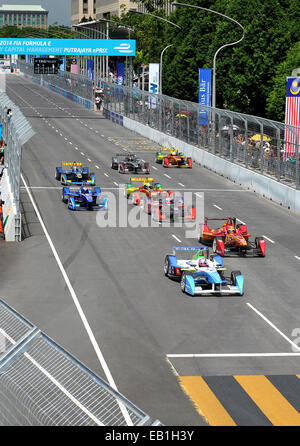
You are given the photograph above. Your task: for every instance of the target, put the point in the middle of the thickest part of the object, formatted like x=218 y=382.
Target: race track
x=153 y=337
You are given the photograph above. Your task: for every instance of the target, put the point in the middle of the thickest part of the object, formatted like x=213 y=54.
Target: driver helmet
x=147 y=186
x=230 y=229
x=202 y=262
x=84 y=188
x=157 y=186
x=74 y=167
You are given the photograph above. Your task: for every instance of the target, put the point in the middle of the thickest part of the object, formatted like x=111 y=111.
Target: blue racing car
x=74 y=174
x=201 y=273
x=84 y=198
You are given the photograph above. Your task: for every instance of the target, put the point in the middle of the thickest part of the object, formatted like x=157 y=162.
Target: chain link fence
x=72 y=83
x=41 y=384
x=253 y=142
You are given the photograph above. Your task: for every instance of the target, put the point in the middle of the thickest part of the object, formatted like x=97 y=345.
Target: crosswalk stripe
x=270 y=401
x=207 y=404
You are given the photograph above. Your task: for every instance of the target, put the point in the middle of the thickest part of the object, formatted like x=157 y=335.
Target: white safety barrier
x=9 y=210
x=264 y=186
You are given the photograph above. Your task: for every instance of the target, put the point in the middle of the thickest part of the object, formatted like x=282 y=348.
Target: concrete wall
x=264 y=186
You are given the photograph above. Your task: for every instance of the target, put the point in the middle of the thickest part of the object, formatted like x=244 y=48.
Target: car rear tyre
x=182 y=282
x=166 y=266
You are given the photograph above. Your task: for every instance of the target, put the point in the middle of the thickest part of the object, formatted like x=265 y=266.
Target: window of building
x=38 y=19
x=24 y=19
x=20 y=19
x=10 y=19
x=6 y=19
x=15 y=19
x=33 y=20
x=1 y=19
x=43 y=20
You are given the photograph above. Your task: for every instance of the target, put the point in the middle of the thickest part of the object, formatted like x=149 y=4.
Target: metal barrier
x=16 y=131
x=42 y=384
x=253 y=142
x=73 y=83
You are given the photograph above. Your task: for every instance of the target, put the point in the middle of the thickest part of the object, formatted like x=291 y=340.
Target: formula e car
x=142 y=186
x=231 y=238
x=200 y=273
x=168 y=206
x=129 y=162
x=74 y=174
x=84 y=198
x=173 y=158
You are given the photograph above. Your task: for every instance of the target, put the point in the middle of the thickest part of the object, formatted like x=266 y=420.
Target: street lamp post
x=133 y=11
x=223 y=46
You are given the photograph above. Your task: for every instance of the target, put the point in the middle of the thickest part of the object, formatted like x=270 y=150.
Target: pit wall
x=248 y=179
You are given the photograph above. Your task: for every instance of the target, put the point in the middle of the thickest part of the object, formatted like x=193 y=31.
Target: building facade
x=82 y=8
x=24 y=15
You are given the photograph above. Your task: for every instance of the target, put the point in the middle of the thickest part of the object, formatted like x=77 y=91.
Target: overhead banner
x=204 y=94
x=292 y=116
x=65 y=47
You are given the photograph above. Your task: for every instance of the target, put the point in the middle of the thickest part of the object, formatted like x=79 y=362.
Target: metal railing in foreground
x=42 y=384
x=16 y=131
x=250 y=141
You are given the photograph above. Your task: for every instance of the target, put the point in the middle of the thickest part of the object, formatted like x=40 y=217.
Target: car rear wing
x=167 y=149
x=71 y=164
x=188 y=248
x=206 y=219
x=141 y=179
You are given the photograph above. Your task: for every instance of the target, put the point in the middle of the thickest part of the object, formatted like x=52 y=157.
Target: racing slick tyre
x=214 y=244
x=234 y=275
x=166 y=266
x=257 y=240
x=63 y=198
x=182 y=282
x=166 y=162
x=58 y=175
x=121 y=168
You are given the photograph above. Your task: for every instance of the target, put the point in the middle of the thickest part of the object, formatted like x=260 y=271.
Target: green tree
x=276 y=99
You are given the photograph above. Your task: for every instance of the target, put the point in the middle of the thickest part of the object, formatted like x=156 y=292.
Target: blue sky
x=59 y=10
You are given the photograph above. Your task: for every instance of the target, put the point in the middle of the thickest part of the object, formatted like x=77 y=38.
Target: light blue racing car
x=201 y=273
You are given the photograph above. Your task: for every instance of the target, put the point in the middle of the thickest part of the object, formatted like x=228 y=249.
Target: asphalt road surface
x=184 y=360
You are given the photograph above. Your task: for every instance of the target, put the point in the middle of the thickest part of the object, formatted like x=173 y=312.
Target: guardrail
x=75 y=87
x=252 y=142
x=43 y=384
x=16 y=131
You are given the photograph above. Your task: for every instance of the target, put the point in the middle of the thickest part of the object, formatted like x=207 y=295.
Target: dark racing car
x=129 y=162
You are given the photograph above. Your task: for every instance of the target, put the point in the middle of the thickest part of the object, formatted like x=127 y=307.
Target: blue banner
x=65 y=47
x=0 y=131
x=90 y=69
x=204 y=95
x=120 y=73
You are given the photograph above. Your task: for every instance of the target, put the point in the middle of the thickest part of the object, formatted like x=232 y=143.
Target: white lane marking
x=102 y=136
x=91 y=128
x=96 y=131
x=229 y=355
x=218 y=207
x=105 y=174
x=176 y=238
x=153 y=167
x=78 y=306
x=89 y=160
x=180 y=184
x=82 y=153
x=61 y=134
x=97 y=167
x=116 y=183
x=267 y=238
x=76 y=148
x=296 y=257
x=55 y=382
x=198 y=195
x=273 y=326
x=166 y=175
x=71 y=143
x=241 y=221
x=56 y=131
x=66 y=139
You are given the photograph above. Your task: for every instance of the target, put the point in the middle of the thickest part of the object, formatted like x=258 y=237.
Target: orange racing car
x=231 y=238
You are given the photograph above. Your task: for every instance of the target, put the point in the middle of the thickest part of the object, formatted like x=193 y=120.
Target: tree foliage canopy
x=250 y=76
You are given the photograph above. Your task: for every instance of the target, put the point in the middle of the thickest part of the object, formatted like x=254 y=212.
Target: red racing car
x=231 y=238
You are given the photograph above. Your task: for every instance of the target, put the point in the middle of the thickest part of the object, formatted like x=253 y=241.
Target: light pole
x=133 y=11
x=223 y=46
